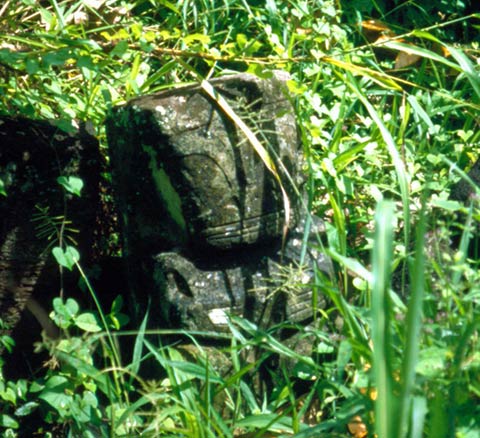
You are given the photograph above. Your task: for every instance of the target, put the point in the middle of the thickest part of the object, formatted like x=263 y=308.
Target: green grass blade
x=249 y=397
x=419 y=411
x=467 y=67
x=267 y=422
x=59 y=14
x=463 y=62
x=138 y=347
x=185 y=370
x=359 y=270
x=464 y=176
x=381 y=318
x=420 y=112
x=380 y=78
x=463 y=249
x=402 y=176
x=269 y=343
x=256 y=144
x=414 y=316
x=135 y=406
x=470 y=333
x=419 y=51
x=105 y=384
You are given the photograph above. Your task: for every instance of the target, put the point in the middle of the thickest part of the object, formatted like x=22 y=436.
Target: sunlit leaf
x=66 y=258
x=2 y=188
x=8 y=422
x=26 y=409
x=72 y=184
x=197 y=37
x=89 y=322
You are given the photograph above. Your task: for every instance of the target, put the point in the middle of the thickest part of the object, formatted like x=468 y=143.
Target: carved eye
x=178 y=283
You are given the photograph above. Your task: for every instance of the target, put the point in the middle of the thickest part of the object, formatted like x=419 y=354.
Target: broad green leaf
x=432 y=362
x=88 y=322
x=90 y=399
x=447 y=204
x=305 y=372
x=117 y=304
x=66 y=258
x=26 y=409
x=260 y=71
x=2 y=188
x=66 y=125
x=122 y=34
x=8 y=421
x=36 y=387
x=71 y=306
x=101 y=379
x=57 y=399
x=56 y=383
x=196 y=37
x=57 y=58
x=8 y=395
x=32 y=66
x=64 y=313
x=116 y=318
x=169 y=5
x=119 y=50
x=84 y=410
x=72 y=184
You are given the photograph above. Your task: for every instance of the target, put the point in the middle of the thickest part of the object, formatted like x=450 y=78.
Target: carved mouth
x=251 y=230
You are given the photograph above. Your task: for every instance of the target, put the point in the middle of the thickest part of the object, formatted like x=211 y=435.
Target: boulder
x=32 y=155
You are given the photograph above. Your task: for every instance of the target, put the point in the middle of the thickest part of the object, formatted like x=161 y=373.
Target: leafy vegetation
x=387 y=97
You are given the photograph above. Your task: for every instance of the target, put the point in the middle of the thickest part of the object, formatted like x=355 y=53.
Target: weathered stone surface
x=261 y=285
x=463 y=190
x=202 y=216
x=187 y=176
x=32 y=155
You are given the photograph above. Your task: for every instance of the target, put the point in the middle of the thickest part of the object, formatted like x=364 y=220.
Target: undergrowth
x=388 y=115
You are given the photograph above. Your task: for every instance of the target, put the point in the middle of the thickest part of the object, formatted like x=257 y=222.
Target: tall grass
x=381 y=316
x=395 y=350
x=394 y=367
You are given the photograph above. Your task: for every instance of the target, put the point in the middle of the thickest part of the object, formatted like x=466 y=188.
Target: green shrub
x=396 y=350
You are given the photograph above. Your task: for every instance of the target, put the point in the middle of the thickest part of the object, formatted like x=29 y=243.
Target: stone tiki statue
x=202 y=216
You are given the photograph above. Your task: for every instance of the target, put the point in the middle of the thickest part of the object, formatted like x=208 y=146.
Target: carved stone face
x=215 y=190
